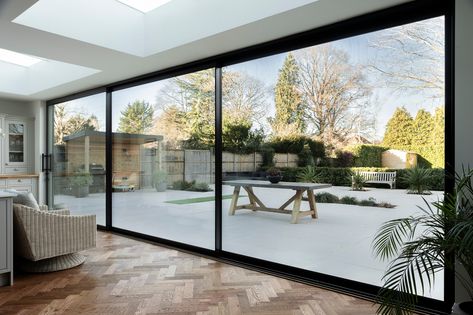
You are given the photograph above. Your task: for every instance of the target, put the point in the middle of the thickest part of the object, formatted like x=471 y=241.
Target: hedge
x=341 y=176
x=368 y=155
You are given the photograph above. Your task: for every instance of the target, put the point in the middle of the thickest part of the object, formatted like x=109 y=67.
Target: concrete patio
x=338 y=243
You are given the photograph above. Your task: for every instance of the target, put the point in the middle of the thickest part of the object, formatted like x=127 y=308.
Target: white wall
x=463 y=92
x=36 y=111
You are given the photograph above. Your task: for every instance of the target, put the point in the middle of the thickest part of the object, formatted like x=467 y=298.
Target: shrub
x=317 y=148
x=190 y=186
x=267 y=153
x=81 y=179
x=305 y=158
x=368 y=155
x=418 y=180
x=368 y=203
x=344 y=159
x=326 y=197
x=357 y=182
x=336 y=176
x=308 y=175
x=200 y=187
x=182 y=185
x=341 y=176
x=347 y=200
x=294 y=144
x=289 y=174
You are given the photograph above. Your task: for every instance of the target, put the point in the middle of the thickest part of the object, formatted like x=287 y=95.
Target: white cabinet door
x=15 y=143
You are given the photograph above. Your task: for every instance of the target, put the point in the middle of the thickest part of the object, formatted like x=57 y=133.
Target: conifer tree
x=399 y=129
x=137 y=118
x=438 y=132
x=422 y=128
x=288 y=100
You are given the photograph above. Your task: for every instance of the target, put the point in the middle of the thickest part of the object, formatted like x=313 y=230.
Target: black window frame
x=391 y=17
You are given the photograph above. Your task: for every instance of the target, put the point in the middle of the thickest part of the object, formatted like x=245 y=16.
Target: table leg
x=312 y=204
x=297 y=206
x=233 y=204
x=251 y=195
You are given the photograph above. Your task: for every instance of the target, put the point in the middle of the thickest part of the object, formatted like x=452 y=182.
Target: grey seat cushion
x=24 y=198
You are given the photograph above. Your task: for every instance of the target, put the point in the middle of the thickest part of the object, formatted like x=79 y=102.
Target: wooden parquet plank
x=125 y=276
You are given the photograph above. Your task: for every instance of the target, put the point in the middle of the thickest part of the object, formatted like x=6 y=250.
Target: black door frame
x=391 y=17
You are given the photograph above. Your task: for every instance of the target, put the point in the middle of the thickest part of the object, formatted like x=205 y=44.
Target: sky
x=384 y=101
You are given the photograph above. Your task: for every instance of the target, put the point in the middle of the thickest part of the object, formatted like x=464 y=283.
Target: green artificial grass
x=197 y=200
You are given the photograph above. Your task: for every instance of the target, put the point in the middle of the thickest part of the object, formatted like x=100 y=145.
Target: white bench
x=378 y=178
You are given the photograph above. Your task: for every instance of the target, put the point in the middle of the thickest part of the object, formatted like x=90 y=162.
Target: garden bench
x=378 y=178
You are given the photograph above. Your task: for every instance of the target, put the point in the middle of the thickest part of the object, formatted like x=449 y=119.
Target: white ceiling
x=121 y=43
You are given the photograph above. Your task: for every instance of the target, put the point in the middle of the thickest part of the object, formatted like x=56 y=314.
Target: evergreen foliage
x=422 y=128
x=288 y=99
x=136 y=118
x=368 y=155
x=399 y=129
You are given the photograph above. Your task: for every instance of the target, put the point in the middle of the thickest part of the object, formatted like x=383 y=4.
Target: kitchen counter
x=6 y=176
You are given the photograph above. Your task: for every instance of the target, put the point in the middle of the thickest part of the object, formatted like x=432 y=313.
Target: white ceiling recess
x=116 y=42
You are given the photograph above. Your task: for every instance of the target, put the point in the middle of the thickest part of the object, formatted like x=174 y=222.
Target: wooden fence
x=199 y=165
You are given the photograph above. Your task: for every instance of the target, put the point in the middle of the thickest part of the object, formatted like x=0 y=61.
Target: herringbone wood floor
x=125 y=276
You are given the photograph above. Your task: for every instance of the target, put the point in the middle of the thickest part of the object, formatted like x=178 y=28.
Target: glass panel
x=78 y=148
x=16 y=128
x=371 y=105
x=16 y=143
x=163 y=159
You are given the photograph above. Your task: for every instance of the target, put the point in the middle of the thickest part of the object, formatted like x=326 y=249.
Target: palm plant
x=308 y=175
x=425 y=244
x=357 y=181
x=418 y=180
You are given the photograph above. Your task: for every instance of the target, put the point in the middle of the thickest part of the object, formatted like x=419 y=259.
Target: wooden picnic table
x=257 y=205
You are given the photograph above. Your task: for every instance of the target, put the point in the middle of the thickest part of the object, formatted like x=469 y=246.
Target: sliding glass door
x=354 y=130
x=360 y=119
x=163 y=159
x=77 y=147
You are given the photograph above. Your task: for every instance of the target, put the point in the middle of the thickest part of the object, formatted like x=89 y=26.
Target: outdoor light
x=17 y=58
x=144 y=6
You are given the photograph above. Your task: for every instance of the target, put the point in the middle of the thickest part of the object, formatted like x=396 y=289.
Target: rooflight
x=144 y=6
x=17 y=58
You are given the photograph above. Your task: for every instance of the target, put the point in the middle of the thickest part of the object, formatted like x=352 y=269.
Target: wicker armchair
x=48 y=240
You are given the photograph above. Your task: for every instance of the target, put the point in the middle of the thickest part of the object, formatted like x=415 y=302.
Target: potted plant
x=273 y=174
x=80 y=183
x=424 y=244
x=160 y=180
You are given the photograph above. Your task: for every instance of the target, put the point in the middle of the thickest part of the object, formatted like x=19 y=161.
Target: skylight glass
x=144 y=6
x=17 y=58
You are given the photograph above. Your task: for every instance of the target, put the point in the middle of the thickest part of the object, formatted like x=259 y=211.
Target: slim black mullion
x=449 y=276
x=108 y=160
x=218 y=159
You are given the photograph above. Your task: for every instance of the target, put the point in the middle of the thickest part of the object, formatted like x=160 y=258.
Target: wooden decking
x=125 y=276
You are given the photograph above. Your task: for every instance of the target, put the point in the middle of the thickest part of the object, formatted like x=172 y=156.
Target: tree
x=288 y=99
x=66 y=124
x=335 y=93
x=170 y=124
x=438 y=132
x=244 y=98
x=187 y=106
x=411 y=57
x=399 y=129
x=237 y=137
x=136 y=118
x=422 y=128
